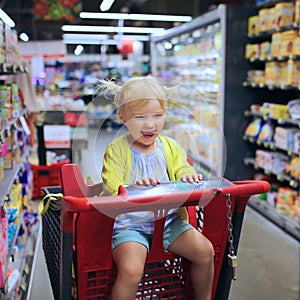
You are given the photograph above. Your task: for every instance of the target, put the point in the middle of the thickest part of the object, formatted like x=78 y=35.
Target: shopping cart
x=86 y=232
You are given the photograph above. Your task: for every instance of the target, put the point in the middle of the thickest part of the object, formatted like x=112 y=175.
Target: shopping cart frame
x=81 y=201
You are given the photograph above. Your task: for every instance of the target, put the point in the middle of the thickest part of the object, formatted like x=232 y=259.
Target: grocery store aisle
x=268 y=258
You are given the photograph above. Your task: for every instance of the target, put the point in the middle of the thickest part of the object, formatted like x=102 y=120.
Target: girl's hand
x=148 y=181
x=191 y=178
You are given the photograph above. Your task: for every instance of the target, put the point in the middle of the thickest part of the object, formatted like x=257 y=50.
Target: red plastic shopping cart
x=87 y=222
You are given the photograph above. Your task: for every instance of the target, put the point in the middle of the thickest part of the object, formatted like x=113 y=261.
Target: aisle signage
x=57 y=136
x=45 y=49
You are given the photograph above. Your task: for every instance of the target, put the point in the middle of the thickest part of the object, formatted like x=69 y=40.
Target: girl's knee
x=210 y=251
x=206 y=253
x=131 y=272
x=210 y=247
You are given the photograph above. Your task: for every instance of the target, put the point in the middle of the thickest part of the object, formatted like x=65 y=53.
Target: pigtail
x=108 y=88
x=172 y=94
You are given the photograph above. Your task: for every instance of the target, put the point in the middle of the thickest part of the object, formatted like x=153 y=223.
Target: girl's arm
x=113 y=172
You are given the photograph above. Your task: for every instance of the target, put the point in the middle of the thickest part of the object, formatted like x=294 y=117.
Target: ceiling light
x=91 y=42
x=100 y=39
x=168 y=45
x=84 y=42
x=6 y=19
x=141 y=38
x=83 y=38
x=24 y=37
x=140 y=17
x=106 y=5
x=87 y=28
x=78 y=50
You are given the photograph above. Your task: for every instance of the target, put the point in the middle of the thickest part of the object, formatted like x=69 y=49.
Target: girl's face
x=144 y=123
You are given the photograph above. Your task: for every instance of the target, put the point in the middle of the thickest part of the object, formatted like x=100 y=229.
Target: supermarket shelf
x=289 y=121
x=293 y=182
x=34 y=262
x=284 y=222
x=271 y=87
x=6 y=69
x=269 y=145
x=9 y=178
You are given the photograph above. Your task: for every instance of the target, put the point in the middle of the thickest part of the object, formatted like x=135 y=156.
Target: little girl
x=143 y=156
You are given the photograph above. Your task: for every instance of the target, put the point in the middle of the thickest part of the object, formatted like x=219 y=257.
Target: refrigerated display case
x=206 y=59
x=273 y=83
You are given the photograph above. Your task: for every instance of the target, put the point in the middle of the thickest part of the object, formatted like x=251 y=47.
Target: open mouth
x=148 y=135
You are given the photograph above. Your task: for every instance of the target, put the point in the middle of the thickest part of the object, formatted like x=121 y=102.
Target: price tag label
x=293 y=183
x=25 y=125
x=23 y=287
x=26 y=269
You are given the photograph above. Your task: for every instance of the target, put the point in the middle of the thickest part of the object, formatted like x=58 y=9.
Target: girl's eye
x=139 y=117
x=158 y=115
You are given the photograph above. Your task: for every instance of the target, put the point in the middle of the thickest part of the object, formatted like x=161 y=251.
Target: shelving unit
x=206 y=59
x=18 y=220
x=208 y=56
x=17 y=239
x=277 y=87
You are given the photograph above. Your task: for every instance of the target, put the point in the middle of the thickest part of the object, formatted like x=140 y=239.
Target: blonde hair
x=135 y=89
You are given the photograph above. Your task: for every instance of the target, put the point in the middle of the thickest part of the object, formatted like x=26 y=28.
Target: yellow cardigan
x=117 y=163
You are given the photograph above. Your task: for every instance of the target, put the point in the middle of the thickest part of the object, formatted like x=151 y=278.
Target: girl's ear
x=121 y=117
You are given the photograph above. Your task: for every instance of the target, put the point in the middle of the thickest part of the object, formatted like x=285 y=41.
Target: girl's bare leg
x=199 y=251
x=130 y=259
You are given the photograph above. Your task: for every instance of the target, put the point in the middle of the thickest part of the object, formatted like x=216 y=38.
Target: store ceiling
x=21 y=11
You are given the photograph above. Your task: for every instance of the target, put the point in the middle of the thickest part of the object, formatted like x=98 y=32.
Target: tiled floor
x=268 y=258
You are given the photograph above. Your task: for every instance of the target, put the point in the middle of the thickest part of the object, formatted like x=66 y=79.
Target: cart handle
x=115 y=205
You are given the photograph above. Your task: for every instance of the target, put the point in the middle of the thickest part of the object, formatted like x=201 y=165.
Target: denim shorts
x=171 y=233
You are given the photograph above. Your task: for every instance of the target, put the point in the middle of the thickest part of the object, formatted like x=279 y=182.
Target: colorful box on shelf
x=273 y=72
x=297 y=11
x=253 y=25
x=11 y=159
x=284 y=14
x=252 y=51
x=266 y=19
x=276 y=44
x=293 y=72
x=288 y=203
x=287 y=42
x=271 y=161
x=265 y=50
x=284 y=137
x=3 y=149
x=1 y=168
x=294 y=108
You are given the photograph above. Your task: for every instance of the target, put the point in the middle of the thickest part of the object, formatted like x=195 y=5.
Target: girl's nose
x=149 y=122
